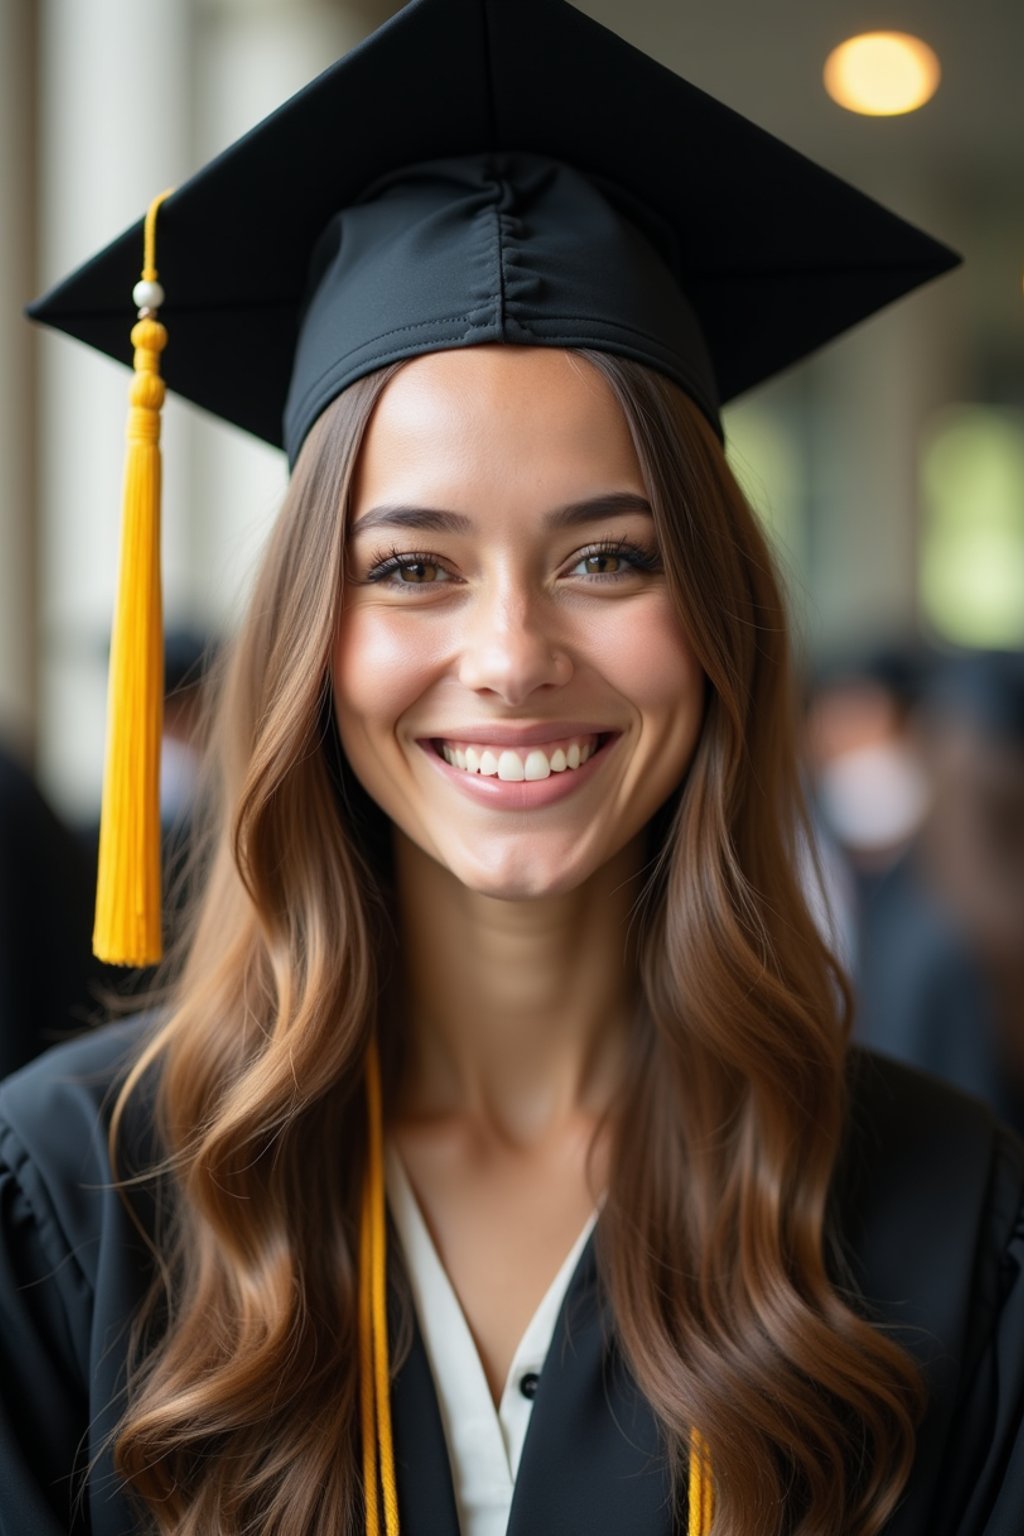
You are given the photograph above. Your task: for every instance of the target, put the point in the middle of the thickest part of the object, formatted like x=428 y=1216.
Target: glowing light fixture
x=882 y=73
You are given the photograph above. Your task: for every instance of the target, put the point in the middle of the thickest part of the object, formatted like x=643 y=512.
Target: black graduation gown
x=929 y=1203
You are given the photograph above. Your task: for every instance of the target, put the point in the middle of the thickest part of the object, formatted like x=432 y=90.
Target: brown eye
x=418 y=572
x=406 y=568
x=615 y=561
x=602 y=564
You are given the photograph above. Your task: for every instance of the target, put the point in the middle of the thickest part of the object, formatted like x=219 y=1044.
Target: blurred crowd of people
x=51 y=985
x=915 y=766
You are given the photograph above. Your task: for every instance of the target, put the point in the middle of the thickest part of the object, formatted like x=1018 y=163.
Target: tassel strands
x=127 y=928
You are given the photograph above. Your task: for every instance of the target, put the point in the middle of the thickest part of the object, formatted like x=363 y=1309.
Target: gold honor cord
x=379 y=1488
x=374 y=1387
x=700 y=1504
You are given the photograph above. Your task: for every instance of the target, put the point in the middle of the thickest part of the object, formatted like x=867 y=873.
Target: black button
x=528 y=1384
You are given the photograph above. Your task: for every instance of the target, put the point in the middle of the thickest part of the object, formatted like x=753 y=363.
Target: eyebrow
x=436 y=520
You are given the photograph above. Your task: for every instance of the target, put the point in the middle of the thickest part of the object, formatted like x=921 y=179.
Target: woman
x=500 y=909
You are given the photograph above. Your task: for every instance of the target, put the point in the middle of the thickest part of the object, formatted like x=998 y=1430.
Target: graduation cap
x=475 y=171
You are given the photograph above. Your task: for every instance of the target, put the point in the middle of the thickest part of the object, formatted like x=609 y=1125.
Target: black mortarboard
x=583 y=195
x=475 y=171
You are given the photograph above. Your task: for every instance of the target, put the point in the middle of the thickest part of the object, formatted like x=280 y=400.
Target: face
x=511 y=683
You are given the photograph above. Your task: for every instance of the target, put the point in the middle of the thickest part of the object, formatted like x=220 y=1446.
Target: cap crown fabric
x=486 y=248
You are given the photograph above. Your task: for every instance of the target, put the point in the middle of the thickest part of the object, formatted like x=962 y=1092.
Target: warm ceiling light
x=882 y=73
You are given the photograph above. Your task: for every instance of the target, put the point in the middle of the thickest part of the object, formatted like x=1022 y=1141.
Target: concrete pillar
x=250 y=57
x=874 y=391
x=134 y=99
x=115 y=103
x=18 y=509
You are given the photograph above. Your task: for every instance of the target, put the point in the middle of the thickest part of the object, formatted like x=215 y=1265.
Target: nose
x=511 y=647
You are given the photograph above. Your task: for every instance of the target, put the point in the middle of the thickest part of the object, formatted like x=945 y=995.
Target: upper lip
x=510 y=735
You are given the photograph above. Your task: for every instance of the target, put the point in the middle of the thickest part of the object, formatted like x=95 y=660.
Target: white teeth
x=537 y=766
x=510 y=767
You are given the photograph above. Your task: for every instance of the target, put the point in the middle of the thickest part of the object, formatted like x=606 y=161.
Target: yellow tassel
x=127 y=929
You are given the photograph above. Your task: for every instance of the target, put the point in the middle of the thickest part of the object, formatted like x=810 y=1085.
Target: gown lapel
x=592 y=1463
x=426 y=1497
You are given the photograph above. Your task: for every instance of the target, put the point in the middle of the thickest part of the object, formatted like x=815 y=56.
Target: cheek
x=379 y=668
x=648 y=658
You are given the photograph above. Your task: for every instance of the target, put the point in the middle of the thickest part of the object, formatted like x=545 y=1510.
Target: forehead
x=471 y=423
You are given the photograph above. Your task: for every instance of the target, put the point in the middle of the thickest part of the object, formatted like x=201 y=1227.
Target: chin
x=519 y=879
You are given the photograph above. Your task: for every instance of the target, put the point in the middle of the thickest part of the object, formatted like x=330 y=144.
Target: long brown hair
x=243 y=1402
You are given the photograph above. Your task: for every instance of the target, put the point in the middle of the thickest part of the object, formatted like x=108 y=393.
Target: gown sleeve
x=74 y=1267
x=986 y=1446
x=45 y=1309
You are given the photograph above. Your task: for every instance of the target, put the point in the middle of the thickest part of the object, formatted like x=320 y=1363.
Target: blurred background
x=889 y=469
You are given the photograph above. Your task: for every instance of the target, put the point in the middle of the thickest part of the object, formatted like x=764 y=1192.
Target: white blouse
x=484 y=1446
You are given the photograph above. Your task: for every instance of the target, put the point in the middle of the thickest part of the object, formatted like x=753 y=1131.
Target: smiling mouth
x=515 y=764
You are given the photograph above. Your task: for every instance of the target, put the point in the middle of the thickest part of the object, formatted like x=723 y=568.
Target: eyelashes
x=384 y=565
x=387 y=566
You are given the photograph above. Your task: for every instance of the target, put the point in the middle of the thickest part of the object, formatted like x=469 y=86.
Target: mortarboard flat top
x=774 y=255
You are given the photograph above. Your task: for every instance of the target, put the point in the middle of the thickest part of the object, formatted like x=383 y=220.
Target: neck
x=515 y=1015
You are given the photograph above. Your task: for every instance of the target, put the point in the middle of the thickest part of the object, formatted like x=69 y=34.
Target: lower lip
x=521 y=794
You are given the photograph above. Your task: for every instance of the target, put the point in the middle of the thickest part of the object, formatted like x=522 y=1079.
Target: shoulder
x=909 y=1131
x=928 y=1215
x=54 y=1122
x=71 y=1086
x=928 y=1201
x=75 y=1263
x=891 y=1100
